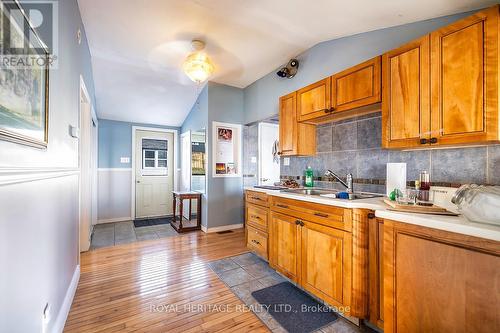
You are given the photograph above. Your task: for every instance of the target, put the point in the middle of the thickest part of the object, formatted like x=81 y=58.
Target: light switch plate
x=124 y=160
x=286 y=161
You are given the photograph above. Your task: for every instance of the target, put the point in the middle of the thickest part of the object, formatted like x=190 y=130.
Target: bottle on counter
x=425 y=186
x=309 y=177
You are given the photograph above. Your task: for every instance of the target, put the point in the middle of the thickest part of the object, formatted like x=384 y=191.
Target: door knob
x=138 y=181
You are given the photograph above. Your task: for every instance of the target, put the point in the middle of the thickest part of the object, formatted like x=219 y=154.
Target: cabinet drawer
x=257 y=198
x=257 y=241
x=257 y=216
x=329 y=216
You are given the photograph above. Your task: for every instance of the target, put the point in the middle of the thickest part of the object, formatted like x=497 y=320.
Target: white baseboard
x=117 y=219
x=221 y=228
x=68 y=300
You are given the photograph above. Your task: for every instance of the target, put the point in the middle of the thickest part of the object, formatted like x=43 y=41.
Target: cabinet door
x=314 y=100
x=288 y=124
x=285 y=246
x=357 y=86
x=405 y=106
x=437 y=281
x=464 y=76
x=326 y=254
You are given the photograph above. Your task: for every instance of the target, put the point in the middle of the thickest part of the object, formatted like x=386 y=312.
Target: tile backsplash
x=354 y=146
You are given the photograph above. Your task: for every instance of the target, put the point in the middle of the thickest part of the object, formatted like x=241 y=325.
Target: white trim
x=221 y=228
x=175 y=168
x=183 y=135
x=259 y=149
x=116 y=219
x=237 y=140
x=62 y=316
x=114 y=169
x=10 y=176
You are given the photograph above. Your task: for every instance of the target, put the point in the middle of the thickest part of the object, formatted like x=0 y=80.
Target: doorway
x=88 y=168
x=269 y=161
x=154 y=173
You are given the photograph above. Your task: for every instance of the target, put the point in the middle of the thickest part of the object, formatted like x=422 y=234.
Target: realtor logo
x=28 y=33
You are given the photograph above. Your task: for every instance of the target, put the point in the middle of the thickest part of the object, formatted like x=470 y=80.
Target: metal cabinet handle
x=321 y=214
x=302 y=224
x=282 y=206
x=255 y=217
x=255 y=241
x=433 y=140
x=423 y=141
x=297 y=222
x=255 y=198
x=371 y=215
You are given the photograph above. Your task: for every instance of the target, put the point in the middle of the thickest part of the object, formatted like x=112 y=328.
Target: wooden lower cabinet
x=329 y=262
x=376 y=271
x=325 y=262
x=438 y=281
x=257 y=241
x=285 y=245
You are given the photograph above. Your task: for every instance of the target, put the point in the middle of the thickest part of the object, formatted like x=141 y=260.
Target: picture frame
x=227 y=151
x=24 y=90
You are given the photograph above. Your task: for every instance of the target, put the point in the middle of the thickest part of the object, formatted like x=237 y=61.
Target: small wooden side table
x=177 y=221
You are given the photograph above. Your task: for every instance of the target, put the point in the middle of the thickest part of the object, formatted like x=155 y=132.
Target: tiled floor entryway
x=110 y=234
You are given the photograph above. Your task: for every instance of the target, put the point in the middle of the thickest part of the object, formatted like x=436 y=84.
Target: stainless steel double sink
x=332 y=194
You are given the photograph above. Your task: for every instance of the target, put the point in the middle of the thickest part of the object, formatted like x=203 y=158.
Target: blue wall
x=225 y=104
x=115 y=141
x=223 y=201
x=39 y=217
x=327 y=58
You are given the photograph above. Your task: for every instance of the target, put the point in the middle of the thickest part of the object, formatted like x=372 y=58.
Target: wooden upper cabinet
x=325 y=253
x=285 y=245
x=357 y=86
x=288 y=124
x=313 y=101
x=464 y=76
x=405 y=106
x=295 y=138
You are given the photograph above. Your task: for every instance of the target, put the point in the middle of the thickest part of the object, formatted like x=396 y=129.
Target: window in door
x=154 y=157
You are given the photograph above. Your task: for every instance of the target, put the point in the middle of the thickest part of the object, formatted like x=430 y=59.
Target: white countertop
x=458 y=224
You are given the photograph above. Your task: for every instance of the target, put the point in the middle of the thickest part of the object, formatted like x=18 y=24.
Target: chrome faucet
x=347 y=184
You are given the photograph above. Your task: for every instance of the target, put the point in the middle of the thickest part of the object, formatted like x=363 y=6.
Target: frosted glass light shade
x=198 y=67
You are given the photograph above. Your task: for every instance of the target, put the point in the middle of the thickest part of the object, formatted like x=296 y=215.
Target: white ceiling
x=138 y=46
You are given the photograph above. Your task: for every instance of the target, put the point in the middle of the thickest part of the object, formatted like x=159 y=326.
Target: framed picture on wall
x=24 y=80
x=226 y=150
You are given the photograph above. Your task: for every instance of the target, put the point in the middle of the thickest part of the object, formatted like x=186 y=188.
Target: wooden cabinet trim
x=257 y=198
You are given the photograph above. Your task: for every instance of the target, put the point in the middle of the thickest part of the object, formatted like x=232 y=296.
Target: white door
x=86 y=172
x=154 y=173
x=269 y=167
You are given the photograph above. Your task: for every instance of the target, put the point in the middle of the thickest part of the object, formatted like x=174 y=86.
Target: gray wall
x=223 y=201
x=324 y=59
x=39 y=215
x=354 y=146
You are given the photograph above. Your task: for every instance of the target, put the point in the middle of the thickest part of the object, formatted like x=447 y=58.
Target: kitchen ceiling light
x=197 y=65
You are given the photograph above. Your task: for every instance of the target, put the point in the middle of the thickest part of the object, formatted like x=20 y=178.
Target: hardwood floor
x=161 y=285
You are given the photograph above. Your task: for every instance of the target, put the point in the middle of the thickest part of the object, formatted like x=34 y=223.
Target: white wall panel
x=114 y=194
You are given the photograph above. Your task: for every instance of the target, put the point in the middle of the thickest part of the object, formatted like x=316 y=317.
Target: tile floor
x=110 y=234
x=247 y=273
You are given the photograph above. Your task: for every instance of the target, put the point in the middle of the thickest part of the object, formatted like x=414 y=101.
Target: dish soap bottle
x=309 y=177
